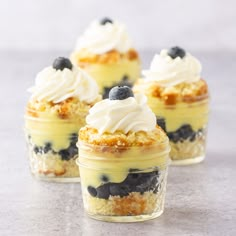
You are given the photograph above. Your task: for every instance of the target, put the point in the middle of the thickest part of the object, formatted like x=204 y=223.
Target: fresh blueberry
x=61 y=63
x=103 y=191
x=47 y=147
x=104 y=178
x=120 y=93
x=105 y=20
x=161 y=122
x=92 y=191
x=73 y=150
x=133 y=179
x=185 y=131
x=192 y=137
x=173 y=136
x=65 y=155
x=37 y=149
x=176 y=52
x=119 y=190
x=74 y=138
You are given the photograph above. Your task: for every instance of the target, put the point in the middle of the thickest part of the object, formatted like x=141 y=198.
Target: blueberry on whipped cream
x=176 y=52
x=105 y=20
x=61 y=63
x=120 y=93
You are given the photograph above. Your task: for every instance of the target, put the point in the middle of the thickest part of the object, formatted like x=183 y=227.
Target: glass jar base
x=126 y=219
x=188 y=161
x=57 y=179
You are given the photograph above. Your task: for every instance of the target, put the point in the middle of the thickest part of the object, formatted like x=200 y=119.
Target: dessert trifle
x=59 y=103
x=123 y=159
x=106 y=52
x=180 y=99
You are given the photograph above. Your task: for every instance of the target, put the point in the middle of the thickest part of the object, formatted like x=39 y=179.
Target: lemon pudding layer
x=123 y=159
x=180 y=99
x=60 y=101
x=105 y=51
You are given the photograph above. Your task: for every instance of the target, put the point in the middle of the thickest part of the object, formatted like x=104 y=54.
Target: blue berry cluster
x=66 y=154
x=182 y=133
x=134 y=182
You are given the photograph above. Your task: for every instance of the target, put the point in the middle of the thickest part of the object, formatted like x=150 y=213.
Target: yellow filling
x=107 y=75
x=116 y=166
x=53 y=129
x=195 y=114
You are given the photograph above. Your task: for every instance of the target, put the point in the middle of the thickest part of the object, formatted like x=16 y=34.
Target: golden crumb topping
x=90 y=135
x=83 y=57
x=183 y=92
x=69 y=108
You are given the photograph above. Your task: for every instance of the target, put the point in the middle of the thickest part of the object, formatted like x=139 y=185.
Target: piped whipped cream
x=130 y=114
x=99 y=39
x=170 y=72
x=57 y=85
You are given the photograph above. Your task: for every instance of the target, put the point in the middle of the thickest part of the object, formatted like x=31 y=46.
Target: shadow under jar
x=51 y=144
x=186 y=126
x=123 y=184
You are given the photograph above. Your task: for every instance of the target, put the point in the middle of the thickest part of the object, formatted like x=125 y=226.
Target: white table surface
x=201 y=199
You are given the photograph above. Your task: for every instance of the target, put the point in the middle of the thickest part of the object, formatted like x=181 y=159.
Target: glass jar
x=123 y=184
x=51 y=143
x=185 y=123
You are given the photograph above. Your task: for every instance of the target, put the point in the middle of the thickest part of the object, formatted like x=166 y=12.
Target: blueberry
x=132 y=179
x=120 y=93
x=61 y=63
x=104 y=178
x=173 y=136
x=119 y=190
x=161 y=122
x=103 y=191
x=74 y=138
x=37 y=149
x=185 y=131
x=92 y=191
x=47 y=147
x=176 y=52
x=105 y=20
x=73 y=150
x=65 y=155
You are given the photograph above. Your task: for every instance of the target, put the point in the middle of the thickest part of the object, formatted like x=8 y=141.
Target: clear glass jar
x=51 y=143
x=123 y=184
x=186 y=126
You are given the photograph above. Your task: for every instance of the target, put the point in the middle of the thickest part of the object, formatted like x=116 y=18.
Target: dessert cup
x=123 y=184
x=110 y=59
x=123 y=162
x=181 y=105
x=51 y=125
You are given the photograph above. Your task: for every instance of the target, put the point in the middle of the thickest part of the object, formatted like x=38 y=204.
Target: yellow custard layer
x=52 y=129
x=194 y=114
x=108 y=75
x=116 y=165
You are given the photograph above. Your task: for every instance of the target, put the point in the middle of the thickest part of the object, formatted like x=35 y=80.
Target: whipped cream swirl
x=99 y=39
x=170 y=72
x=130 y=114
x=57 y=85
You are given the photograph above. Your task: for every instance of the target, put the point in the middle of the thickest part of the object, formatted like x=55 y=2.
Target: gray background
x=201 y=199
x=153 y=24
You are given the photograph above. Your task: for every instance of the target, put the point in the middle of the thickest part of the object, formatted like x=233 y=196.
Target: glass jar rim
x=114 y=169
